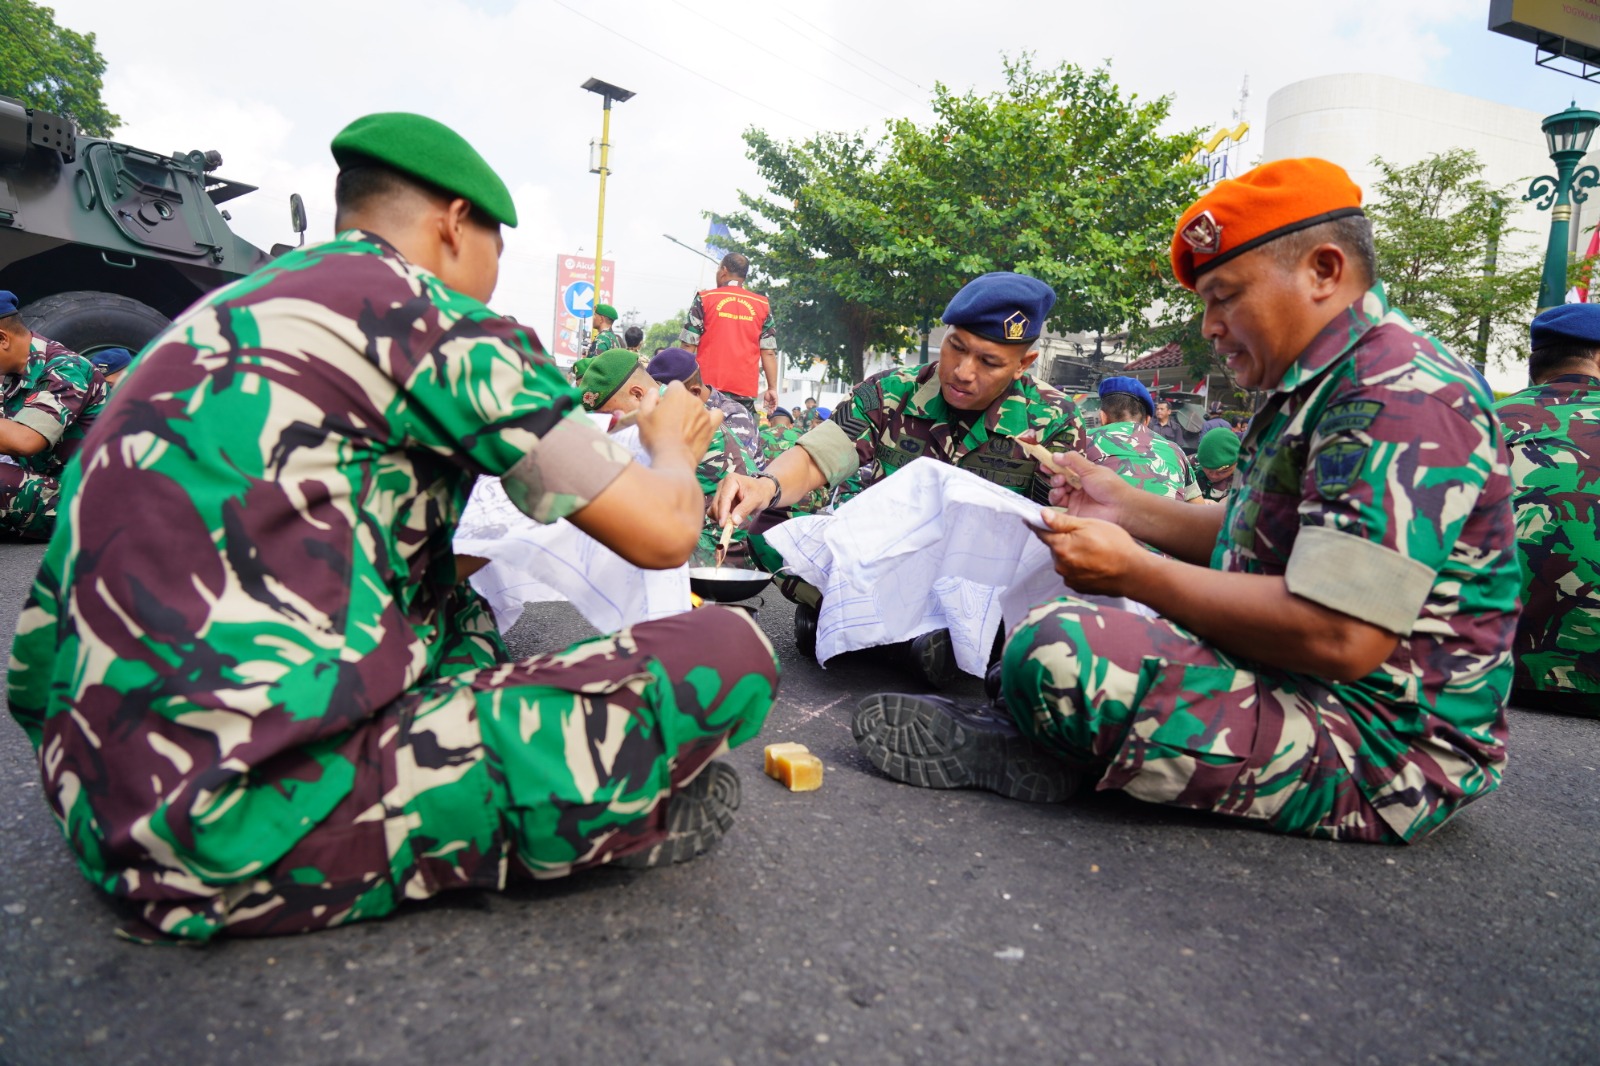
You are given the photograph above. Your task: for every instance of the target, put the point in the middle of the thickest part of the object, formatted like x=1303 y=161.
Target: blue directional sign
x=579 y=299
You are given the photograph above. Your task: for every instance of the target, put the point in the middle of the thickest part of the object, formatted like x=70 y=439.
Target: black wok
x=726 y=584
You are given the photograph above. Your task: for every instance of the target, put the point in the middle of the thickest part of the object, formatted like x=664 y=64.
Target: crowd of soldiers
x=265 y=700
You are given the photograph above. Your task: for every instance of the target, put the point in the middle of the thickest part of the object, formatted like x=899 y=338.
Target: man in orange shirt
x=730 y=333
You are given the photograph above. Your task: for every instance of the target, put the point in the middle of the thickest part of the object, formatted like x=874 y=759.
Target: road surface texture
x=872 y=922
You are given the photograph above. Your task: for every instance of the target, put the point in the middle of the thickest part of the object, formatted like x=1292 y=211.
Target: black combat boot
x=697 y=817
x=937 y=742
x=933 y=658
x=805 y=629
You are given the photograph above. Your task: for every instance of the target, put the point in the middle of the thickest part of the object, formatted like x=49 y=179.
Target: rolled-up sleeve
x=832 y=450
x=570 y=466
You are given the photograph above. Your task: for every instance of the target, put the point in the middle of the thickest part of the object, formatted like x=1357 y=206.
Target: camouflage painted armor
x=1375 y=481
x=1215 y=491
x=1554 y=434
x=260 y=698
x=1144 y=460
x=900 y=415
x=58 y=395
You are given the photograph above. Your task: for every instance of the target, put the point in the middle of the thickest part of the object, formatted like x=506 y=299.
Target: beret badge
x=1203 y=234
x=1016 y=326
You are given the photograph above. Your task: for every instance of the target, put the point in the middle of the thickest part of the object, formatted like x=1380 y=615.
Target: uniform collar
x=1337 y=338
x=1586 y=380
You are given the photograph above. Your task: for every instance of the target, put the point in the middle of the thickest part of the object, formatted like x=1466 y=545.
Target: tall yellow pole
x=600 y=226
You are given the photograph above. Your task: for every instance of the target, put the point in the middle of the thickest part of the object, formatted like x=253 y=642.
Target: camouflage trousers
x=537 y=768
x=27 y=503
x=1167 y=718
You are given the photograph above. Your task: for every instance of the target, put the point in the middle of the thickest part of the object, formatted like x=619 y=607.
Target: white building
x=1351 y=118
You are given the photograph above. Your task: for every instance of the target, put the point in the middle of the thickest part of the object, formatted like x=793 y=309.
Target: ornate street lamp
x=1567 y=133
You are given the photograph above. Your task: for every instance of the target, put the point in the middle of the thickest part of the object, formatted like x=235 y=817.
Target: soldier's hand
x=1098 y=491
x=1090 y=555
x=676 y=420
x=770 y=400
x=739 y=497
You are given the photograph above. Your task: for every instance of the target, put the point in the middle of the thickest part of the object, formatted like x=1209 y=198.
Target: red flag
x=1594 y=250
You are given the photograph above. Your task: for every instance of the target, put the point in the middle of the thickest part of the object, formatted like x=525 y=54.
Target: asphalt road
x=871 y=922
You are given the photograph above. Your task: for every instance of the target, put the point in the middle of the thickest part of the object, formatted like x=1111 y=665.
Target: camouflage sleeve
x=833 y=452
x=604 y=342
x=695 y=324
x=1066 y=433
x=1189 y=484
x=769 y=333
x=487 y=395
x=65 y=389
x=1391 y=477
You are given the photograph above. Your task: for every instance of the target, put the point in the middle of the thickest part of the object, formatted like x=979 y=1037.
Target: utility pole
x=609 y=93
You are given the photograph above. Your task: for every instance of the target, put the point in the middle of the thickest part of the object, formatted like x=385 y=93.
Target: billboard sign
x=1564 y=27
x=575 y=300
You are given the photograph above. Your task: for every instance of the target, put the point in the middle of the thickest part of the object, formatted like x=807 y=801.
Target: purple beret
x=673 y=364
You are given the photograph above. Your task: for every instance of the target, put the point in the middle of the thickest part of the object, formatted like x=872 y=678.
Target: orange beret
x=1266 y=203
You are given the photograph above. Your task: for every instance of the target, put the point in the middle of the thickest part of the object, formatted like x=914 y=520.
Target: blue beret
x=8 y=303
x=1569 y=322
x=1133 y=387
x=673 y=364
x=111 y=360
x=823 y=414
x=1003 y=307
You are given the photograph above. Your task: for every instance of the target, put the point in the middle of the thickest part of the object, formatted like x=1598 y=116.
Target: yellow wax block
x=775 y=750
x=801 y=771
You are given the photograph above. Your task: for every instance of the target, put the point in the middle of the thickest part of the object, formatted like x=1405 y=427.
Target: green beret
x=606 y=375
x=579 y=367
x=1218 y=448
x=429 y=150
x=606 y=311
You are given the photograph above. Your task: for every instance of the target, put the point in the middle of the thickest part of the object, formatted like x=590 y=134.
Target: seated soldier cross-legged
x=1332 y=655
x=977 y=409
x=262 y=698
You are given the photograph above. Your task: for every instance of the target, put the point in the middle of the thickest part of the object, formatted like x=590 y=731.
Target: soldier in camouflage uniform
x=616 y=384
x=971 y=409
x=1123 y=443
x=262 y=700
x=1553 y=430
x=604 y=337
x=49 y=397
x=1340 y=669
x=678 y=364
x=1218 y=463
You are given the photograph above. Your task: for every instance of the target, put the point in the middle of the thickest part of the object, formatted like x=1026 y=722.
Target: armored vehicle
x=106 y=243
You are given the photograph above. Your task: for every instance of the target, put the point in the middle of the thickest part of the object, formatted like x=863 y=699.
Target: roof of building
x=1163 y=357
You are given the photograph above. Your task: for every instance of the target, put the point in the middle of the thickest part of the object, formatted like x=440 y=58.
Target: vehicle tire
x=89 y=321
x=805 y=629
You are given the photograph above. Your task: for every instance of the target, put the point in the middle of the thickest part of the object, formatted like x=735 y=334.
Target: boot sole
x=921 y=743
x=699 y=816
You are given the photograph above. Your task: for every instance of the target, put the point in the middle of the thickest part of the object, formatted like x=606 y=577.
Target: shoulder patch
x=1338 y=466
x=1352 y=416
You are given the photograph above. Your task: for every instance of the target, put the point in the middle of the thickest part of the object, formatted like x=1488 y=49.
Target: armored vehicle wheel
x=89 y=321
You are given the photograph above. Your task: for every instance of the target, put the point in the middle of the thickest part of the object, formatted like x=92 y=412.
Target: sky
x=269 y=85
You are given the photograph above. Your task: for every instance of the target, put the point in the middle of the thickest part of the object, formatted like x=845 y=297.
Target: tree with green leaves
x=51 y=67
x=1061 y=175
x=663 y=334
x=1436 y=224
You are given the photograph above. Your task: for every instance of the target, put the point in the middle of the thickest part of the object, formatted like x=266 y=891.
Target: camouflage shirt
x=900 y=414
x=1143 y=460
x=1554 y=433
x=603 y=341
x=58 y=395
x=736 y=419
x=254 y=556
x=1376 y=481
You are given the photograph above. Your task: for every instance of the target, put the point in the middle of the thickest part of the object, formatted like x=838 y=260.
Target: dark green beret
x=606 y=311
x=429 y=150
x=606 y=375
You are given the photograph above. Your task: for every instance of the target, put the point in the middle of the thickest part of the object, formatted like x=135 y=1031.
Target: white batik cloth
x=529 y=562
x=932 y=547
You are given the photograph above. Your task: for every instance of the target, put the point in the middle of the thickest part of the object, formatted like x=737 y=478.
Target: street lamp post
x=609 y=93
x=1567 y=133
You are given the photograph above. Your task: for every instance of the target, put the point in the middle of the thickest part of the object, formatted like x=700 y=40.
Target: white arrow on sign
x=579 y=299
